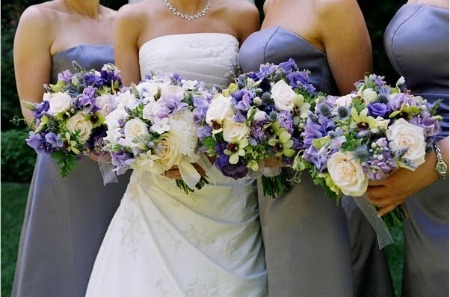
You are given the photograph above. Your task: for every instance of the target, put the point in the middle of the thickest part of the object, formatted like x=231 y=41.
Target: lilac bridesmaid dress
x=417 y=44
x=66 y=218
x=312 y=248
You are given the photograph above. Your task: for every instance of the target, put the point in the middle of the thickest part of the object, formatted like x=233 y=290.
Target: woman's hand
x=273 y=163
x=396 y=188
x=174 y=172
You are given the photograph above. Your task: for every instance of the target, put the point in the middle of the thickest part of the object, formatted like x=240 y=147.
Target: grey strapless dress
x=417 y=44
x=65 y=218
x=311 y=249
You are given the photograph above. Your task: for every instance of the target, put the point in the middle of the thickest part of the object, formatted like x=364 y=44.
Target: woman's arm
x=346 y=40
x=32 y=58
x=395 y=189
x=126 y=37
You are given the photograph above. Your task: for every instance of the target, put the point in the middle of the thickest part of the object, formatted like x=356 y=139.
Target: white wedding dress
x=162 y=242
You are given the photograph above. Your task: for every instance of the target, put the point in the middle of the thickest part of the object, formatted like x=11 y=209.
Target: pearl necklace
x=188 y=16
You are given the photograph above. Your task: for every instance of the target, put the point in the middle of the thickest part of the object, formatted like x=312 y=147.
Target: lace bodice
x=208 y=57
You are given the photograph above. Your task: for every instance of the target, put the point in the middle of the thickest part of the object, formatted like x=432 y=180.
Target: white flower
x=151 y=109
x=345 y=101
x=59 y=102
x=172 y=91
x=113 y=135
x=402 y=135
x=148 y=88
x=347 y=173
x=105 y=103
x=168 y=151
x=234 y=132
x=283 y=96
x=78 y=123
x=146 y=162
x=189 y=84
x=219 y=109
x=160 y=125
x=260 y=116
x=115 y=117
x=127 y=99
x=183 y=129
x=368 y=95
x=135 y=131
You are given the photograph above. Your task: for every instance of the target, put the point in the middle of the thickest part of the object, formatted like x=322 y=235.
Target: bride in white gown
x=162 y=242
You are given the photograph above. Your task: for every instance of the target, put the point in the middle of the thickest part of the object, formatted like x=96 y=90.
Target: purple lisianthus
x=379 y=109
x=288 y=66
x=90 y=79
x=300 y=79
x=235 y=171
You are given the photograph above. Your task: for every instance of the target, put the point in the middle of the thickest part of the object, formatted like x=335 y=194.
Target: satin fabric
x=65 y=218
x=311 y=246
x=417 y=44
x=163 y=242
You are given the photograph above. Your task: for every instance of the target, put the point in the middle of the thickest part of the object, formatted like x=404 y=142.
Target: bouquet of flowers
x=153 y=128
x=70 y=121
x=366 y=135
x=256 y=119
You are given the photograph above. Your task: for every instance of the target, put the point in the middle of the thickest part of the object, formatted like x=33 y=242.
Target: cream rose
x=347 y=173
x=403 y=135
x=219 y=109
x=182 y=128
x=59 y=102
x=167 y=149
x=283 y=96
x=368 y=95
x=234 y=132
x=78 y=123
x=135 y=128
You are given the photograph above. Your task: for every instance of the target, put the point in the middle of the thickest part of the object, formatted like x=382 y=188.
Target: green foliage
x=18 y=158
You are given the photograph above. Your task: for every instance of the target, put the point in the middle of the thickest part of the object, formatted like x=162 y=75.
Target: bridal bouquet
x=70 y=121
x=153 y=128
x=366 y=135
x=258 y=119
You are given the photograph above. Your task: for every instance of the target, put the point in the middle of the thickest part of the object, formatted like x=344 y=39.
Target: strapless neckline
x=172 y=36
x=61 y=52
x=300 y=38
x=424 y=5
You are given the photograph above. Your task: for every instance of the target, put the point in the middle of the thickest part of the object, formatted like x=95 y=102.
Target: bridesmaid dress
x=417 y=44
x=65 y=218
x=309 y=246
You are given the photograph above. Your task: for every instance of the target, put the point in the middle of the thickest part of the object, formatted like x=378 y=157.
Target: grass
x=13 y=201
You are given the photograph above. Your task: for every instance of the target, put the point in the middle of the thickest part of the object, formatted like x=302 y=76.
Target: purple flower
x=90 y=79
x=379 y=109
x=65 y=76
x=285 y=121
x=53 y=140
x=41 y=109
x=87 y=99
x=235 y=171
x=288 y=66
x=300 y=80
x=397 y=100
x=204 y=131
x=37 y=142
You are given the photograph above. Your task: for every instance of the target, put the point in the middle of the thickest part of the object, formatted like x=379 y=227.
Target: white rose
x=347 y=174
x=59 y=102
x=234 y=132
x=116 y=116
x=368 y=95
x=283 y=96
x=403 y=135
x=345 y=101
x=167 y=149
x=148 y=88
x=183 y=129
x=151 y=109
x=78 y=123
x=134 y=129
x=172 y=91
x=127 y=99
x=219 y=109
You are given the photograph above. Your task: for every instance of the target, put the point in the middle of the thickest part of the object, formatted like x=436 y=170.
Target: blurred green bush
x=17 y=158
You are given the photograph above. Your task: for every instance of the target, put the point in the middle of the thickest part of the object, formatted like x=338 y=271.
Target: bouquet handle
x=106 y=169
x=368 y=209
